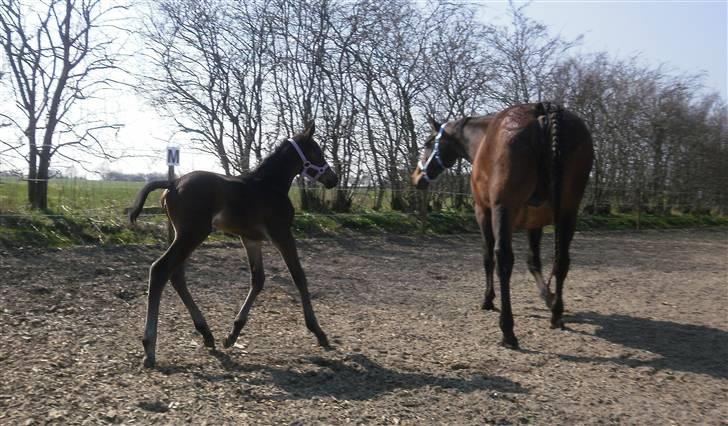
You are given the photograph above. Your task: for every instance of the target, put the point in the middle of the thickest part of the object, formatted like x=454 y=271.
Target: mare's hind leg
x=160 y=272
x=486 y=228
x=567 y=226
x=502 y=230
x=257 y=279
x=287 y=246
x=534 y=264
x=180 y=285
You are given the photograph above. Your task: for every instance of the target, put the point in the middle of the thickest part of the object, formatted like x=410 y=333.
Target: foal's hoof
x=510 y=342
x=229 y=341
x=209 y=342
x=148 y=362
x=324 y=343
x=549 y=298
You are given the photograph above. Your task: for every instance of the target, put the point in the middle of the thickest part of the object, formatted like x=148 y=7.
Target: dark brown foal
x=531 y=164
x=255 y=207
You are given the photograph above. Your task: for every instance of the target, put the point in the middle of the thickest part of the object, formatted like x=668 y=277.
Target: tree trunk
x=41 y=189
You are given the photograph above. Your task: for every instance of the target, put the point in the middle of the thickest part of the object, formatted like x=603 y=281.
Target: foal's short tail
x=142 y=197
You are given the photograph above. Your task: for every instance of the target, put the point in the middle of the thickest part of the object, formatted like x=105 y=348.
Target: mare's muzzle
x=419 y=179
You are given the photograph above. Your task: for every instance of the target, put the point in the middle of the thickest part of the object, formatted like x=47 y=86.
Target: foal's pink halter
x=320 y=170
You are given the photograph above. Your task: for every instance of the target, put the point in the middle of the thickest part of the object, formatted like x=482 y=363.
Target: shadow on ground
x=681 y=347
x=355 y=377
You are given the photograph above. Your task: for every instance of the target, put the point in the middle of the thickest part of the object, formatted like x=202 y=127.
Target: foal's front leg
x=257 y=279
x=286 y=244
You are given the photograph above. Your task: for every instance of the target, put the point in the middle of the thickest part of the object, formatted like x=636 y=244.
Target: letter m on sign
x=173 y=156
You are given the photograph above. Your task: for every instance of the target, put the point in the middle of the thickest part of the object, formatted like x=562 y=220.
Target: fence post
x=170 y=228
x=424 y=201
x=639 y=207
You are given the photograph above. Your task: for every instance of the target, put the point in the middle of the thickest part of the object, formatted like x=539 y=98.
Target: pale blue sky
x=686 y=36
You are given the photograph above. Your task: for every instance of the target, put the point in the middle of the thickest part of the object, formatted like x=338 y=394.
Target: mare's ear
x=309 y=129
x=433 y=123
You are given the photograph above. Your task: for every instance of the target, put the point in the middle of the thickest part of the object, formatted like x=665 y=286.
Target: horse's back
x=242 y=206
x=513 y=164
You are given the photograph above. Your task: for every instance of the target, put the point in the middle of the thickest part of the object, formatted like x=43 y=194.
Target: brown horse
x=255 y=207
x=531 y=164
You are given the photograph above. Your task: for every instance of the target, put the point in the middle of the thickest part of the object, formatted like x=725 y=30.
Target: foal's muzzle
x=329 y=179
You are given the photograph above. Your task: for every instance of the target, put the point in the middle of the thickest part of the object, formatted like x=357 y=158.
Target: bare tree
x=657 y=138
x=524 y=53
x=301 y=32
x=184 y=47
x=209 y=61
x=58 y=56
x=461 y=71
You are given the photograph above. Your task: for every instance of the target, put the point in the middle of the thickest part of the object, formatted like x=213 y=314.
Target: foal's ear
x=433 y=123
x=309 y=129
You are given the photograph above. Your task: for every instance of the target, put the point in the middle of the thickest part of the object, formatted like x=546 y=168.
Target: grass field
x=87 y=195
x=93 y=212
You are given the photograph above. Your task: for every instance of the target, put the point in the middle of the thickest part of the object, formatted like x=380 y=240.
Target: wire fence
x=112 y=198
x=84 y=210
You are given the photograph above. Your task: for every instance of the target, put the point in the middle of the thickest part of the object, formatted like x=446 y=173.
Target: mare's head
x=313 y=163
x=438 y=154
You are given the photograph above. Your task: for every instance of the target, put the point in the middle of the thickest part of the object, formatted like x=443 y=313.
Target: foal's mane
x=271 y=161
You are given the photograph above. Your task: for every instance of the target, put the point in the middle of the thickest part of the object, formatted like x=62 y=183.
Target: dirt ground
x=647 y=338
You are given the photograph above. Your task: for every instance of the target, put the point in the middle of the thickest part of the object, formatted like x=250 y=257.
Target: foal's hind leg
x=534 y=264
x=257 y=279
x=486 y=228
x=179 y=283
x=287 y=246
x=160 y=272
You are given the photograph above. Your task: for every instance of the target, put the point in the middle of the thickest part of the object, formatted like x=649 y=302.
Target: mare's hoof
x=559 y=323
x=510 y=343
x=149 y=362
x=488 y=306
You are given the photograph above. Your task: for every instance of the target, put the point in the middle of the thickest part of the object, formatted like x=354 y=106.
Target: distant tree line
x=240 y=75
x=237 y=76
x=132 y=177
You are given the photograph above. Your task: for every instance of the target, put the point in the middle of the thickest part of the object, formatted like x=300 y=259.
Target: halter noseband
x=435 y=154
x=320 y=170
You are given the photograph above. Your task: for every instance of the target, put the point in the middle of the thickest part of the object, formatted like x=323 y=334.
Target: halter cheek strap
x=434 y=155
x=307 y=165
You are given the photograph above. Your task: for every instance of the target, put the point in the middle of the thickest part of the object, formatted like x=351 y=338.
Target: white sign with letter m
x=173 y=156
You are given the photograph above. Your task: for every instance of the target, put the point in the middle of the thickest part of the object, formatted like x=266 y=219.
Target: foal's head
x=438 y=154
x=313 y=163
